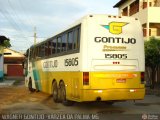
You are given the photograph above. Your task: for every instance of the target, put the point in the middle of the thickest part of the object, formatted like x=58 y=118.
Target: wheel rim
x=63 y=93
x=55 y=92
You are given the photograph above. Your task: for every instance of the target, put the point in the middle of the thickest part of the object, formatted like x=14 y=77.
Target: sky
x=18 y=18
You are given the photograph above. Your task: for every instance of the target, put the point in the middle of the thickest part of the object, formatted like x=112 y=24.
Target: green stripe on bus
x=37 y=79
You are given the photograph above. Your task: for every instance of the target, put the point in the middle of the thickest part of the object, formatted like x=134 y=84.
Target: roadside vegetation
x=152 y=62
x=5 y=42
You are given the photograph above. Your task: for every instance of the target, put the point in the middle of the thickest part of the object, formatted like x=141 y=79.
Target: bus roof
x=79 y=21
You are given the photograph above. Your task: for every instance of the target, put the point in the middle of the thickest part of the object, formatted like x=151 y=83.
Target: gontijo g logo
x=115 y=27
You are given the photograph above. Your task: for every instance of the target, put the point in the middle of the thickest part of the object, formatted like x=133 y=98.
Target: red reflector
x=116 y=62
x=142 y=74
x=121 y=80
x=86 y=78
x=142 y=78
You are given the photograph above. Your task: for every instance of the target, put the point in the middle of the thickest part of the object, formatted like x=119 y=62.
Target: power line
x=11 y=16
x=13 y=23
x=11 y=20
x=20 y=35
x=15 y=14
x=28 y=18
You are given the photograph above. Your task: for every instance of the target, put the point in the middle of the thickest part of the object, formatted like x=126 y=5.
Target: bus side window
x=34 y=52
x=42 y=50
x=64 y=42
x=46 y=49
x=27 y=53
x=54 y=42
x=49 y=48
x=76 y=38
x=39 y=52
x=70 y=40
x=59 y=45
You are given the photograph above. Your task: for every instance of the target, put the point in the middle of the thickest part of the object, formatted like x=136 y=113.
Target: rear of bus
x=113 y=59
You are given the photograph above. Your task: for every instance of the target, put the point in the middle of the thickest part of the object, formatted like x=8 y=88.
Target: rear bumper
x=113 y=94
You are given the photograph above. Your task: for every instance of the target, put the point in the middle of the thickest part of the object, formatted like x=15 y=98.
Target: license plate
x=121 y=80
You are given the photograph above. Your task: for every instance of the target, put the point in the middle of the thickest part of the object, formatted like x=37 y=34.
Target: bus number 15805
x=116 y=56
x=71 y=62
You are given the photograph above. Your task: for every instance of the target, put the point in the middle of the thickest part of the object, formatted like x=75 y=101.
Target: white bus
x=98 y=58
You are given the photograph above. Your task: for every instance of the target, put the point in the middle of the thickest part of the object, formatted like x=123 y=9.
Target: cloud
x=19 y=17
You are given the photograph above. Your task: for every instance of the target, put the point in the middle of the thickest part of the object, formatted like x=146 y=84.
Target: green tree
x=5 y=42
x=152 y=58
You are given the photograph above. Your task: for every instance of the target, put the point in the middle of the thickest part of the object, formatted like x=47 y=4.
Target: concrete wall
x=142 y=16
x=154 y=15
x=5 y=68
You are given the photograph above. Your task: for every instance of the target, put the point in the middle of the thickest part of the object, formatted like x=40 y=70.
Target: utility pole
x=35 y=36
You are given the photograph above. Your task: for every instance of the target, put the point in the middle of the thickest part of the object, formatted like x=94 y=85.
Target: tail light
x=142 y=78
x=85 y=78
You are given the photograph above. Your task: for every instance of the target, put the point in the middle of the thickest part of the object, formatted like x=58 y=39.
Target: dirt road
x=17 y=99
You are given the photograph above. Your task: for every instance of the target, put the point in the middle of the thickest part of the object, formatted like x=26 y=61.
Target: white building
x=147 y=11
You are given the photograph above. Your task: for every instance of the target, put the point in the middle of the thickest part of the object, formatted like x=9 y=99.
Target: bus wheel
x=55 y=92
x=30 y=86
x=63 y=95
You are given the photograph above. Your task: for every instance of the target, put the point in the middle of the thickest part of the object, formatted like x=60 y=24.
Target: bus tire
x=30 y=86
x=63 y=95
x=55 y=92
